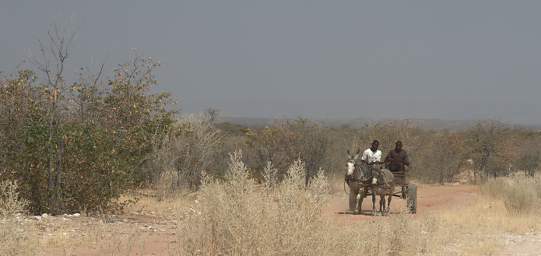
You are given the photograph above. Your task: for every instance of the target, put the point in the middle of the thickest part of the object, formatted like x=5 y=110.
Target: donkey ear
x=349 y=154
x=358 y=151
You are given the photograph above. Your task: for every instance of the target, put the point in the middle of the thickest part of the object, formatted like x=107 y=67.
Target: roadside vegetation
x=110 y=141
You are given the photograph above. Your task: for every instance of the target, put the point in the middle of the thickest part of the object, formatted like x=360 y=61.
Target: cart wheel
x=412 y=198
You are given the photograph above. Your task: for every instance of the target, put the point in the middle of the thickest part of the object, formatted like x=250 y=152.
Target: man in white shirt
x=372 y=155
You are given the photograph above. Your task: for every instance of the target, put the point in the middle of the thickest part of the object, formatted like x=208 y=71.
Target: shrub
x=190 y=149
x=520 y=199
x=79 y=147
x=520 y=195
x=10 y=201
x=238 y=217
x=286 y=141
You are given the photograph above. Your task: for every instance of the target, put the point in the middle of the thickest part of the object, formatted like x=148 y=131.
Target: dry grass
x=237 y=216
x=17 y=239
x=521 y=195
x=60 y=235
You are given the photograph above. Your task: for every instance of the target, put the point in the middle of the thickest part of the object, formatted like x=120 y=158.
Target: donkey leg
x=352 y=198
x=374 y=202
x=360 y=197
x=389 y=203
x=358 y=201
x=382 y=204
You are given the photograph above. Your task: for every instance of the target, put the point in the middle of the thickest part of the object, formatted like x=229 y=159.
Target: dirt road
x=429 y=198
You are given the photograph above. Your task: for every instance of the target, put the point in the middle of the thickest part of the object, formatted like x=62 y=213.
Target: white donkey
x=360 y=180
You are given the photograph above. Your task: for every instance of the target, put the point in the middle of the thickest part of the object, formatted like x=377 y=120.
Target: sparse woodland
x=79 y=146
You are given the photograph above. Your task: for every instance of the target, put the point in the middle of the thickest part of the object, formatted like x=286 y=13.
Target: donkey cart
x=407 y=191
x=400 y=187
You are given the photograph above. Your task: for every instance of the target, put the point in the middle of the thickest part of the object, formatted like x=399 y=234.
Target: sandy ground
x=433 y=198
x=429 y=198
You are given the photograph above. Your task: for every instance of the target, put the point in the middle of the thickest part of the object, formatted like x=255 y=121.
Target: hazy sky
x=460 y=59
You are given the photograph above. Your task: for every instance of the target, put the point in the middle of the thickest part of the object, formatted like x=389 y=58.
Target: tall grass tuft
x=236 y=216
x=15 y=239
x=519 y=194
x=10 y=202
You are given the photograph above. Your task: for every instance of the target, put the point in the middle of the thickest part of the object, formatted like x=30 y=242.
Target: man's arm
x=364 y=157
x=388 y=159
x=406 y=159
x=378 y=158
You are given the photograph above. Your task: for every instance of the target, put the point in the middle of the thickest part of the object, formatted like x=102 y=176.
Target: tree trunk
x=58 y=204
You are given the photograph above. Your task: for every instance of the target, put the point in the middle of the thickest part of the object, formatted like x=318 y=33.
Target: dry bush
x=166 y=184
x=15 y=239
x=10 y=202
x=520 y=199
x=236 y=216
x=519 y=194
x=190 y=149
x=495 y=187
x=285 y=141
x=492 y=147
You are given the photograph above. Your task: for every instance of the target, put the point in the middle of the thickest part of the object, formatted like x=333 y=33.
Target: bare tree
x=190 y=150
x=212 y=114
x=52 y=62
x=483 y=141
x=529 y=158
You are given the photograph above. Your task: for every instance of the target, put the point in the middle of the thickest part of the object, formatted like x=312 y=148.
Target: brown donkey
x=384 y=187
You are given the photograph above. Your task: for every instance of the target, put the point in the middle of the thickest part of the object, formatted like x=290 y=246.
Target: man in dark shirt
x=397 y=159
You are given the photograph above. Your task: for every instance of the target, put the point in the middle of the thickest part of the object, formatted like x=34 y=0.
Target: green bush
x=78 y=148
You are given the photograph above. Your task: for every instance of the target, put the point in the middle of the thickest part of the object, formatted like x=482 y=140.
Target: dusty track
x=429 y=198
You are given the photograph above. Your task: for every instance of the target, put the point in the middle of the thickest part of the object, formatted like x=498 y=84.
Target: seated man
x=372 y=156
x=396 y=161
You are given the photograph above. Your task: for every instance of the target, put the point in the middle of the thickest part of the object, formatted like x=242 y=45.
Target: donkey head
x=352 y=162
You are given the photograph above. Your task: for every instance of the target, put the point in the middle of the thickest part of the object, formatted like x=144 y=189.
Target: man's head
x=375 y=145
x=398 y=146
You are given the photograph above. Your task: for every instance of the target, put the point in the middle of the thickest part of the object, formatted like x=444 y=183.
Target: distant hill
x=247 y=121
x=430 y=124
